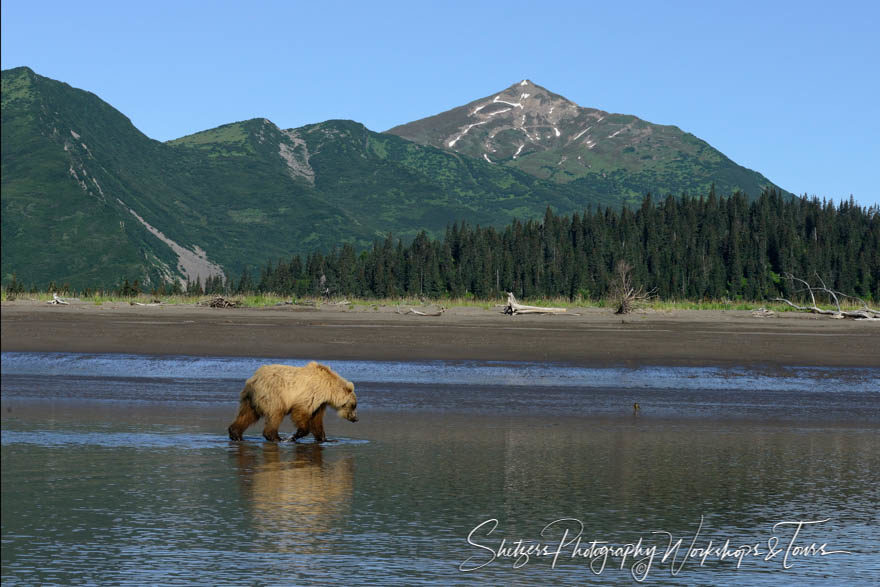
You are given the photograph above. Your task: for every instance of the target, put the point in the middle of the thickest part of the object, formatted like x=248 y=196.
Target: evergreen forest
x=687 y=248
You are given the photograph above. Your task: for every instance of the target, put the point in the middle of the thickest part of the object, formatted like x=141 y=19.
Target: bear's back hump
x=277 y=372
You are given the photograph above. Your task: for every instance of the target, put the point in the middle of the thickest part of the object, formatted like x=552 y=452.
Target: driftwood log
x=221 y=302
x=58 y=301
x=513 y=308
x=419 y=313
x=864 y=313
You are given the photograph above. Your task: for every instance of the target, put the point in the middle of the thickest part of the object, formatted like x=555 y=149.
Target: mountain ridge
x=89 y=199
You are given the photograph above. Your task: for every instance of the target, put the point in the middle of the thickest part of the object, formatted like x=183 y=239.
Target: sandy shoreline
x=594 y=337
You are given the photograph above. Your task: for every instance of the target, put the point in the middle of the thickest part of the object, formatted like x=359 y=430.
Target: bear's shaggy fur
x=303 y=392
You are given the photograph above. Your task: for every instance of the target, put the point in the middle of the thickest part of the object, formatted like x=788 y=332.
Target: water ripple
x=509 y=374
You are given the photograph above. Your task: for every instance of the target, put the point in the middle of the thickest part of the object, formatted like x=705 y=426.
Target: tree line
x=687 y=248
x=691 y=248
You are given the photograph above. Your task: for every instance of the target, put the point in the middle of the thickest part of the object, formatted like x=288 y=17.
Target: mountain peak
x=18 y=71
x=547 y=135
x=521 y=119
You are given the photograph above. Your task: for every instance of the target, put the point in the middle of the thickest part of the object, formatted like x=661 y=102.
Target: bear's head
x=344 y=399
x=348 y=410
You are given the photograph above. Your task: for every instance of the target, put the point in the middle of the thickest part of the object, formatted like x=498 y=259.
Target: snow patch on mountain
x=577 y=136
x=469 y=127
x=500 y=101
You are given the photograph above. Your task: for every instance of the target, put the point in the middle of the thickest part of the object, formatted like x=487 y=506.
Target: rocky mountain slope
x=529 y=128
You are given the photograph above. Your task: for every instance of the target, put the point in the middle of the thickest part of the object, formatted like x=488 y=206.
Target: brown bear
x=303 y=392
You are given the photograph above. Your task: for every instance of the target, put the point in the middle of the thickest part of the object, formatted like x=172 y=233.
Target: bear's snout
x=353 y=418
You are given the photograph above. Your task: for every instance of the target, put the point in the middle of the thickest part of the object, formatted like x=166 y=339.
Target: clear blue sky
x=791 y=89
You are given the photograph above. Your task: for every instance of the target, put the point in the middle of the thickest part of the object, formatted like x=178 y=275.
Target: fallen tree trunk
x=864 y=313
x=417 y=313
x=57 y=301
x=513 y=308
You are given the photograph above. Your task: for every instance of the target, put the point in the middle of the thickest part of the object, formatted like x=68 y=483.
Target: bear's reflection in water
x=296 y=496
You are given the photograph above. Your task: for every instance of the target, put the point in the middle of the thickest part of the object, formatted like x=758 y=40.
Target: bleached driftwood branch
x=417 y=313
x=513 y=308
x=864 y=313
x=58 y=301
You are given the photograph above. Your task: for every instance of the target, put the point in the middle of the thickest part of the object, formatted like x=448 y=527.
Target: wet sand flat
x=155 y=493
x=117 y=467
x=584 y=337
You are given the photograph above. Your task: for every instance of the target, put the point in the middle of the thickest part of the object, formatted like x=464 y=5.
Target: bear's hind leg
x=246 y=416
x=316 y=426
x=301 y=421
x=270 y=431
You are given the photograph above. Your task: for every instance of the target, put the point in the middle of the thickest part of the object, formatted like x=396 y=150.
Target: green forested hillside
x=89 y=200
x=66 y=156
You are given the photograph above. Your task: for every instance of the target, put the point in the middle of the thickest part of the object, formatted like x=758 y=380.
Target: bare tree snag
x=513 y=308
x=627 y=296
x=864 y=313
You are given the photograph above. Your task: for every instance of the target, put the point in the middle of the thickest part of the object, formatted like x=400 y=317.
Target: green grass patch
x=265 y=299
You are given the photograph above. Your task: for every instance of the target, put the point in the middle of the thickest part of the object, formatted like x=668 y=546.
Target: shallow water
x=115 y=468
